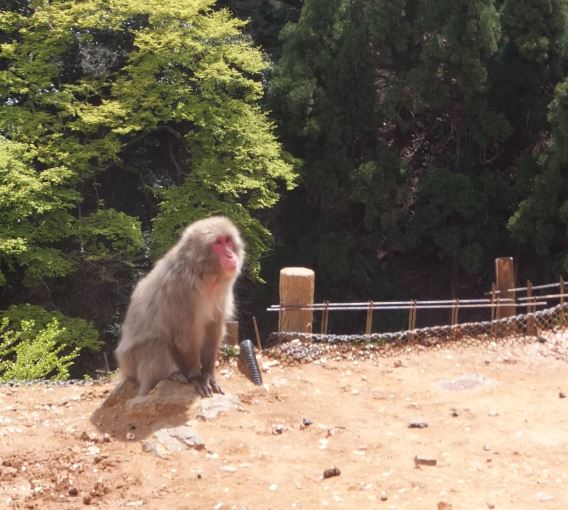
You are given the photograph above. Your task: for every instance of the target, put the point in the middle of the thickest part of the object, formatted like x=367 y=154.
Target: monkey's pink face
x=224 y=249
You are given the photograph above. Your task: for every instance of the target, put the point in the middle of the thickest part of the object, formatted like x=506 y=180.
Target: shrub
x=37 y=344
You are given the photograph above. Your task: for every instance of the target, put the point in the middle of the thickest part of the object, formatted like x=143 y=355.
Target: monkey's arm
x=205 y=382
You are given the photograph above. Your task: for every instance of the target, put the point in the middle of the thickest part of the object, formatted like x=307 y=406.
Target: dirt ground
x=459 y=428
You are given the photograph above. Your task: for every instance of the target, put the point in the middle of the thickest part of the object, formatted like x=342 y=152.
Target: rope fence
x=546 y=325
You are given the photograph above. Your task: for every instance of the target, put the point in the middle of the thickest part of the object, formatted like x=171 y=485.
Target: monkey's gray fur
x=175 y=321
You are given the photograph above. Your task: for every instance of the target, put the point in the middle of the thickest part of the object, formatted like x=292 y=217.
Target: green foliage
x=541 y=219
x=324 y=93
x=229 y=352
x=34 y=213
x=449 y=216
x=109 y=233
x=558 y=117
x=460 y=36
x=37 y=344
x=85 y=89
x=72 y=333
x=422 y=144
x=537 y=28
x=27 y=355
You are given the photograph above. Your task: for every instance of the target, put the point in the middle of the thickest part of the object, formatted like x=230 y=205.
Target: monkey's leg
x=156 y=363
x=205 y=382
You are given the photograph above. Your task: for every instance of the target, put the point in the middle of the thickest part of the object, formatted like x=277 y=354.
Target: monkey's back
x=160 y=309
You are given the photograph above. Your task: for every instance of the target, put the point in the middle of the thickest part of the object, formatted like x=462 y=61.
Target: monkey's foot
x=206 y=385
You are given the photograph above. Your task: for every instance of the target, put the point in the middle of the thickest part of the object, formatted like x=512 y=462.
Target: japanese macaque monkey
x=175 y=321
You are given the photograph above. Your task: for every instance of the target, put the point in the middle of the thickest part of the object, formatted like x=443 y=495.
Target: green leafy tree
x=124 y=115
x=35 y=214
x=541 y=220
x=324 y=93
x=450 y=213
x=536 y=51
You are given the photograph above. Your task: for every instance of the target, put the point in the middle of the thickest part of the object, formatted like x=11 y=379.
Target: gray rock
x=187 y=435
x=168 y=397
x=466 y=382
x=172 y=440
x=210 y=408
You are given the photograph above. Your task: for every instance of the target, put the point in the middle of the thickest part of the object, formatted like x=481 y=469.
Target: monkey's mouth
x=230 y=269
x=229 y=264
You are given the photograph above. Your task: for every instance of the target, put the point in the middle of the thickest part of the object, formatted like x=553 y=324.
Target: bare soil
x=461 y=428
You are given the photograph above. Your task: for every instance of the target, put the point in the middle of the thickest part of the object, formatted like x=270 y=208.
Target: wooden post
x=562 y=313
x=256 y=333
x=493 y=307
x=531 y=324
x=297 y=286
x=412 y=316
x=412 y=321
x=505 y=280
x=232 y=335
x=325 y=318
x=369 y=323
x=455 y=312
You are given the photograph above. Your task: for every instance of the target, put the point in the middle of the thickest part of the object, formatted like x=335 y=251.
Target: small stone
x=543 y=497
x=442 y=505
x=130 y=436
x=278 y=429
x=72 y=491
x=490 y=505
x=86 y=499
x=417 y=425
x=384 y=496
x=85 y=436
x=273 y=487
x=454 y=413
x=418 y=461
x=561 y=395
x=398 y=364
x=306 y=422
x=93 y=450
x=330 y=472
x=486 y=447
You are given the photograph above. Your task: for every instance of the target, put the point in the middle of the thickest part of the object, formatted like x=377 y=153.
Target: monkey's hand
x=206 y=385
